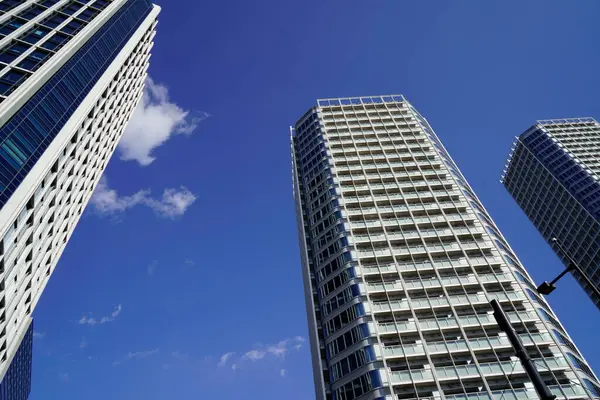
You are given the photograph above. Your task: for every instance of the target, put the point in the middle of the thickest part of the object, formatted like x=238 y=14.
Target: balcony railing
x=466 y=371
x=517 y=394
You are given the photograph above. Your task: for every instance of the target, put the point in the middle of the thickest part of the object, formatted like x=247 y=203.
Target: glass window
x=49 y=3
x=29 y=64
x=54 y=20
x=71 y=8
x=521 y=277
x=72 y=27
x=39 y=54
x=594 y=390
x=35 y=34
x=56 y=41
x=7 y=5
x=32 y=12
x=545 y=315
x=14 y=76
x=5 y=88
x=12 y=25
x=88 y=14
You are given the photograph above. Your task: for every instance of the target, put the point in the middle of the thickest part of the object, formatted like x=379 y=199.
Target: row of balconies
x=412 y=267
x=391 y=176
x=396 y=222
x=427 y=249
x=424 y=195
x=414 y=155
x=436 y=324
x=442 y=205
x=504 y=368
x=397 y=185
x=436 y=302
x=420 y=284
x=452 y=346
x=570 y=391
x=412 y=234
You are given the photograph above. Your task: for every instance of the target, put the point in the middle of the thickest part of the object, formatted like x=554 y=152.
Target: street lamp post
x=548 y=287
x=526 y=361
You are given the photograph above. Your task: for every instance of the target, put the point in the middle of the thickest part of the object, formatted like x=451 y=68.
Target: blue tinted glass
x=16 y=384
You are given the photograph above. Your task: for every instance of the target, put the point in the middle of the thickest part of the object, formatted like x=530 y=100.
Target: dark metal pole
x=526 y=361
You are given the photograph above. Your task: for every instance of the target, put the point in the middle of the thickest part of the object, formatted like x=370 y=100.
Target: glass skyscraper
x=553 y=173
x=400 y=262
x=71 y=74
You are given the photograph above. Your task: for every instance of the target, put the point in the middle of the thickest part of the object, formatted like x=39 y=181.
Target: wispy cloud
x=225 y=357
x=173 y=203
x=83 y=344
x=152 y=267
x=255 y=355
x=278 y=350
x=189 y=261
x=141 y=354
x=283 y=373
x=155 y=120
x=137 y=355
x=39 y=335
x=284 y=346
x=64 y=377
x=180 y=355
x=89 y=320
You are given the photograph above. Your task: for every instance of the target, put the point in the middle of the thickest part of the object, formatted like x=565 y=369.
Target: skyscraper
x=400 y=262
x=553 y=173
x=71 y=74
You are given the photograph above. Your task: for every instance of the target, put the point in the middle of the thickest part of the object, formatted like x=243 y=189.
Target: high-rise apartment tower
x=553 y=173
x=71 y=74
x=400 y=262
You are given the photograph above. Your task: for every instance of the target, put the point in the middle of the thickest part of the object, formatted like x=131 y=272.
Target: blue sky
x=187 y=264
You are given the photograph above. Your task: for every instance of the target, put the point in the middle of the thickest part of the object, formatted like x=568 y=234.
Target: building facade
x=400 y=261
x=553 y=173
x=71 y=74
x=16 y=384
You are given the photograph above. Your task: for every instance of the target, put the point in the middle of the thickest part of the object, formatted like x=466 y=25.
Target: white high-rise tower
x=71 y=74
x=400 y=262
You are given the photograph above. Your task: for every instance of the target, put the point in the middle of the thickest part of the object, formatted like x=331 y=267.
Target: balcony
x=426 y=265
x=571 y=391
x=463 y=345
x=505 y=368
x=401 y=305
x=470 y=320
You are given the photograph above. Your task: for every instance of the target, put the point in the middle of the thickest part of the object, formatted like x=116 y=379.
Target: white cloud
x=224 y=358
x=39 y=335
x=137 y=355
x=173 y=203
x=141 y=354
x=154 y=121
x=283 y=373
x=283 y=347
x=255 y=355
x=99 y=321
x=278 y=350
x=152 y=267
